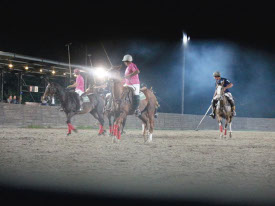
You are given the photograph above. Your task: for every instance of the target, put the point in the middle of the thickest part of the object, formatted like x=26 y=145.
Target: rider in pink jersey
x=79 y=87
x=132 y=80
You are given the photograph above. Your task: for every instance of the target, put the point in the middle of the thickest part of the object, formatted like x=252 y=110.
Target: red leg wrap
x=221 y=128
x=100 y=129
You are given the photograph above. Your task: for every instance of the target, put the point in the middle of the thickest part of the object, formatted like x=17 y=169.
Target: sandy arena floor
x=177 y=163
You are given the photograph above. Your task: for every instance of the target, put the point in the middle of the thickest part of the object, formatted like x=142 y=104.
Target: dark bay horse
x=223 y=111
x=109 y=110
x=123 y=106
x=94 y=105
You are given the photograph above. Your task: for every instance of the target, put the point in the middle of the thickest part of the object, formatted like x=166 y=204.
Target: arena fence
x=16 y=115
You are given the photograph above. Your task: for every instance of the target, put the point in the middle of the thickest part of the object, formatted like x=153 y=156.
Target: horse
x=93 y=105
x=223 y=110
x=122 y=97
x=109 y=112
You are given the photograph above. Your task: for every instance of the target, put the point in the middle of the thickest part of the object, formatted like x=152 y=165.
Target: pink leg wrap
x=225 y=131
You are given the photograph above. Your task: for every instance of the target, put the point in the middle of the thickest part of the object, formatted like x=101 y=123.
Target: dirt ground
x=177 y=164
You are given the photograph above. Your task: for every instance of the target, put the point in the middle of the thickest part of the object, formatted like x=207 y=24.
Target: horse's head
x=220 y=89
x=114 y=73
x=50 y=91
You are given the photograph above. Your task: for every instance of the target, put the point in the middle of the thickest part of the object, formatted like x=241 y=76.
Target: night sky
x=150 y=30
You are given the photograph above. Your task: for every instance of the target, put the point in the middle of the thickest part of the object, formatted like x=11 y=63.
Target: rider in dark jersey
x=227 y=84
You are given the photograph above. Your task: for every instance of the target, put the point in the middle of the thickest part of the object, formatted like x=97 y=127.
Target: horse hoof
x=230 y=135
x=68 y=134
x=147 y=141
x=75 y=130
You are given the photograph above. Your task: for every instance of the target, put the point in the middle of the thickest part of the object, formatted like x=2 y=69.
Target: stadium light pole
x=185 y=41
x=68 y=45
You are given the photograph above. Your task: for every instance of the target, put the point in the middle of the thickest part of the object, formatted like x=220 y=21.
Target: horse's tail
x=149 y=93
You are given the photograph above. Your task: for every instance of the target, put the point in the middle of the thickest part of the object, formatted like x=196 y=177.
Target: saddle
x=128 y=92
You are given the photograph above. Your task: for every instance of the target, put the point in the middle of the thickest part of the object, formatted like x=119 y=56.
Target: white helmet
x=216 y=74
x=127 y=58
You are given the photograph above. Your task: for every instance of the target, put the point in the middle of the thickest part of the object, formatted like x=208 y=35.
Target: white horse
x=223 y=111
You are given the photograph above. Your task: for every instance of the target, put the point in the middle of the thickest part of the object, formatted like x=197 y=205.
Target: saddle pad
x=142 y=96
x=85 y=99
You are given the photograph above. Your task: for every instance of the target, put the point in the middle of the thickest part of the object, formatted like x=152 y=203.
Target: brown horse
x=94 y=105
x=110 y=112
x=223 y=111
x=123 y=106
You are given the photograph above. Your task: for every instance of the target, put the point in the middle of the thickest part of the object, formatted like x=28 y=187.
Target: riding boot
x=213 y=115
x=232 y=104
x=136 y=100
x=79 y=104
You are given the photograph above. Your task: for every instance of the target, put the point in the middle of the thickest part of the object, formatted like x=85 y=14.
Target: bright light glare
x=100 y=72
x=185 y=39
x=10 y=66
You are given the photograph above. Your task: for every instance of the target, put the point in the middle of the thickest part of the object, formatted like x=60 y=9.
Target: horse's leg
x=230 y=128
x=116 y=115
x=225 y=128
x=123 y=125
x=220 y=125
x=118 y=124
x=70 y=126
x=101 y=121
x=142 y=128
x=152 y=124
x=109 y=116
x=145 y=122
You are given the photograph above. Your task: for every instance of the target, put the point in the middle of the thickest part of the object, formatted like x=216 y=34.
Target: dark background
x=151 y=31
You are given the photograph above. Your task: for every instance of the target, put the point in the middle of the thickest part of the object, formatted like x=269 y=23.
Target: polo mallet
x=203 y=118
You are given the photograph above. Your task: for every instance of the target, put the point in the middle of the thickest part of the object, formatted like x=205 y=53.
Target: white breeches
x=136 y=88
x=79 y=92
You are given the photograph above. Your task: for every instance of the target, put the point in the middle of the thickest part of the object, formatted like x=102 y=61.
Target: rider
x=132 y=80
x=79 y=87
x=227 y=84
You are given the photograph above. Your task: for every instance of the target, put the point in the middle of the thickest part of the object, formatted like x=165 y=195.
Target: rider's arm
x=132 y=74
x=73 y=85
x=228 y=86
